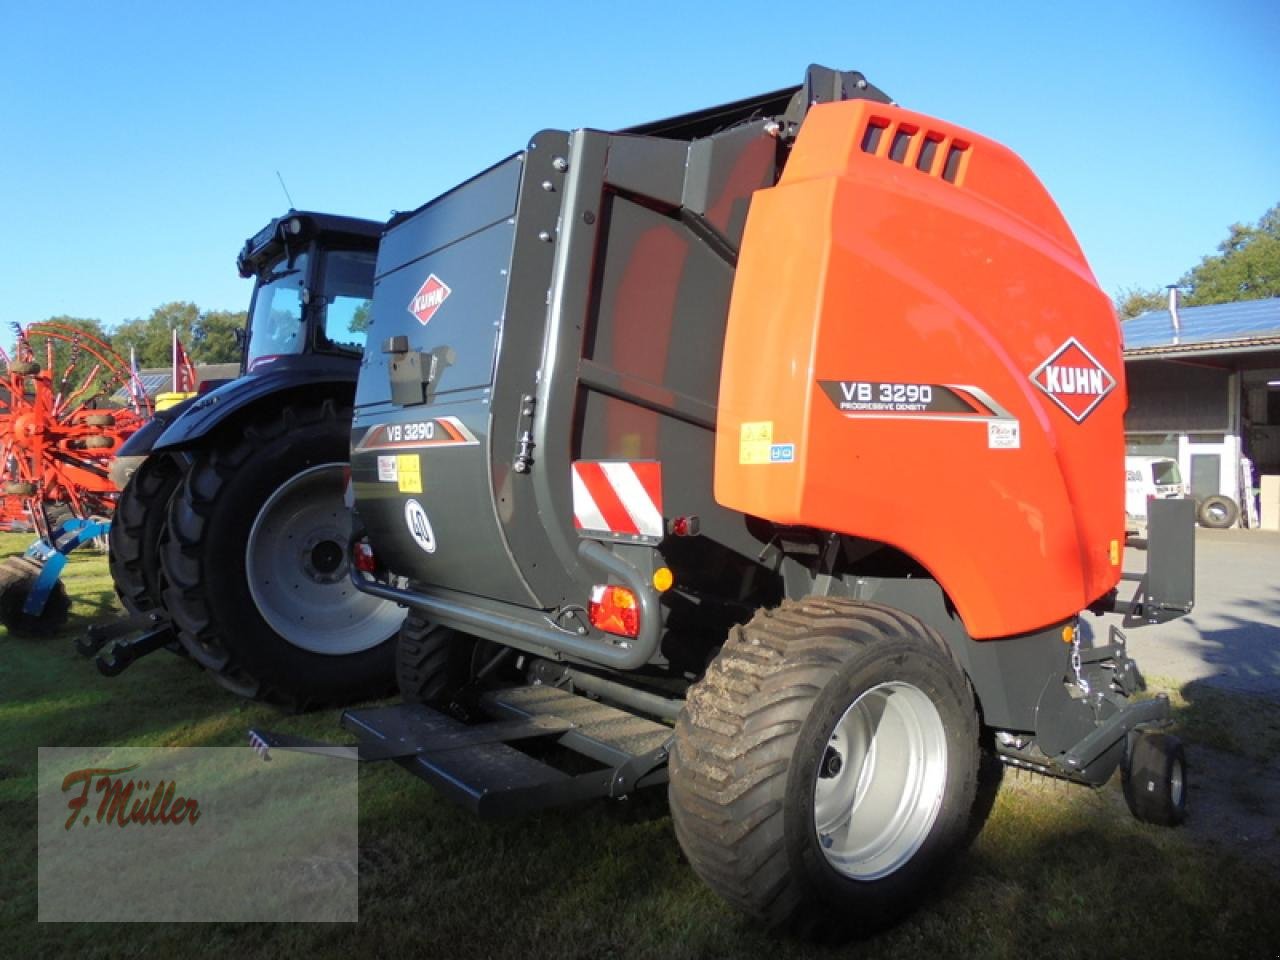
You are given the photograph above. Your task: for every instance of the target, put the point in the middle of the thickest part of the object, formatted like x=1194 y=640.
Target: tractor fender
x=140 y=444
x=228 y=402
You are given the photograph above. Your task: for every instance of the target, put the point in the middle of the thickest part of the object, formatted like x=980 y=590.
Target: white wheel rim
x=876 y=802
x=297 y=566
x=1176 y=783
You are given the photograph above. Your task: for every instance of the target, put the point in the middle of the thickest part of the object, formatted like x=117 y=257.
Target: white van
x=1150 y=478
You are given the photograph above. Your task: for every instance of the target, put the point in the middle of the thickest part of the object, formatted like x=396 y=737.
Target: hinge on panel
x=524 y=448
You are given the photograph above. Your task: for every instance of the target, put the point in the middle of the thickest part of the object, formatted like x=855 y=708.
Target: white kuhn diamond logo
x=428 y=299
x=1074 y=380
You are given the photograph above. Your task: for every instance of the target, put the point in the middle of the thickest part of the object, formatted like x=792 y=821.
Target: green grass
x=1058 y=871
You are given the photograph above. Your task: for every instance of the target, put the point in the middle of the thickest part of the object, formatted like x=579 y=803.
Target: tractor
x=231 y=533
x=649 y=446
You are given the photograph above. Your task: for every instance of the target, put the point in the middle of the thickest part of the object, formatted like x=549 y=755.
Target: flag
x=184 y=372
x=137 y=392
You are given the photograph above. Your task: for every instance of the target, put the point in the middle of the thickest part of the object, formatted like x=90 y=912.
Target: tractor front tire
x=825 y=767
x=136 y=529
x=255 y=563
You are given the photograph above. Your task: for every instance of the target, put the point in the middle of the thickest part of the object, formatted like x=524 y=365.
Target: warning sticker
x=408 y=472
x=755 y=442
x=1003 y=435
x=387 y=472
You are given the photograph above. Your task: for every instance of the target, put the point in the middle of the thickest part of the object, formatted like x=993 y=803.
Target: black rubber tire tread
x=100 y=420
x=17 y=576
x=1146 y=777
x=208 y=598
x=744 y=824
x=1204 y=512
x=57 y=514
x=432 y=662
x=133 y=554
x=20 y=488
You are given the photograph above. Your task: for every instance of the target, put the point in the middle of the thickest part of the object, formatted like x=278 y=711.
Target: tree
x=1132 y=301
x=216 y=340
x=152 y=338
x=361 y=317
x=1246 y=266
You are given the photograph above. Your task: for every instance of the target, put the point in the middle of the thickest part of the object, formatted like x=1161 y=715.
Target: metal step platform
x=476 y=764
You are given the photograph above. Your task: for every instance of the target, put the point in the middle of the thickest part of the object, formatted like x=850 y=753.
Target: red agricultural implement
x=58 y=429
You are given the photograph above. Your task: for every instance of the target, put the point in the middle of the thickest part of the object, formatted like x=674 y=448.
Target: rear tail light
x=614 y=610
x=362 y=557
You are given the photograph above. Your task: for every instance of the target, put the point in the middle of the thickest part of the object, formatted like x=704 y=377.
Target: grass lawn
x=1058 y=871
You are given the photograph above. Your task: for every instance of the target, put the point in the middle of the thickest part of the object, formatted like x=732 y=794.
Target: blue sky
x=139 y=141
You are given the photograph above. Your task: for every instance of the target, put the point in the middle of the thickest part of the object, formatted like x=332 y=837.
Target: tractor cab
x=313 y=283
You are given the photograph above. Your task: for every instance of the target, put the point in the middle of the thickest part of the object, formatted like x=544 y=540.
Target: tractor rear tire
x=432 y=662
x=1218 y=512
x=134 y=541
x=17 y=577
x=1154 y=779
x=255 y=565
x=825 y=767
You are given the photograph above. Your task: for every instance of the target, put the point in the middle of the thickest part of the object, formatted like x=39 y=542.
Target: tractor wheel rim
x=296 y=563
x=880 y=781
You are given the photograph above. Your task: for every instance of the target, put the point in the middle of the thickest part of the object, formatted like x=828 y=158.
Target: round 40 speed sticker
x=415 y=518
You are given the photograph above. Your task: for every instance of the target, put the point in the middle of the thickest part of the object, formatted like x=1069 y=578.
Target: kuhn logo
x=428 y=299
x=1074 y=380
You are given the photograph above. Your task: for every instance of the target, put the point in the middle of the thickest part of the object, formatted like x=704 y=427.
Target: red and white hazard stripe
x=618 y=497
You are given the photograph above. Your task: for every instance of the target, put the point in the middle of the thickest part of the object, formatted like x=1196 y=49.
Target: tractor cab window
x=276 y=328
x=346 y=291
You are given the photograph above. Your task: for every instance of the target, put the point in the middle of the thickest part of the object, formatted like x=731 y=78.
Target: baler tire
x=1154 y=779
x=100 y=420
x=1217 y=512
x=133 y=554
x=756 y=733
x=432 y=662
x=205 y=561
x=17 y=577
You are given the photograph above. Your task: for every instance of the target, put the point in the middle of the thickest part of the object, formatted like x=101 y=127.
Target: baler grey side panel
x=483 y=200
x=403 y=453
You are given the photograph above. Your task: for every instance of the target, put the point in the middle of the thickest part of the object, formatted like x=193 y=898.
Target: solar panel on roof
x=1243 y=320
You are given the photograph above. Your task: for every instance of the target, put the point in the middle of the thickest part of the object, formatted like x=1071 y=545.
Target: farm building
x=1204 y=389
